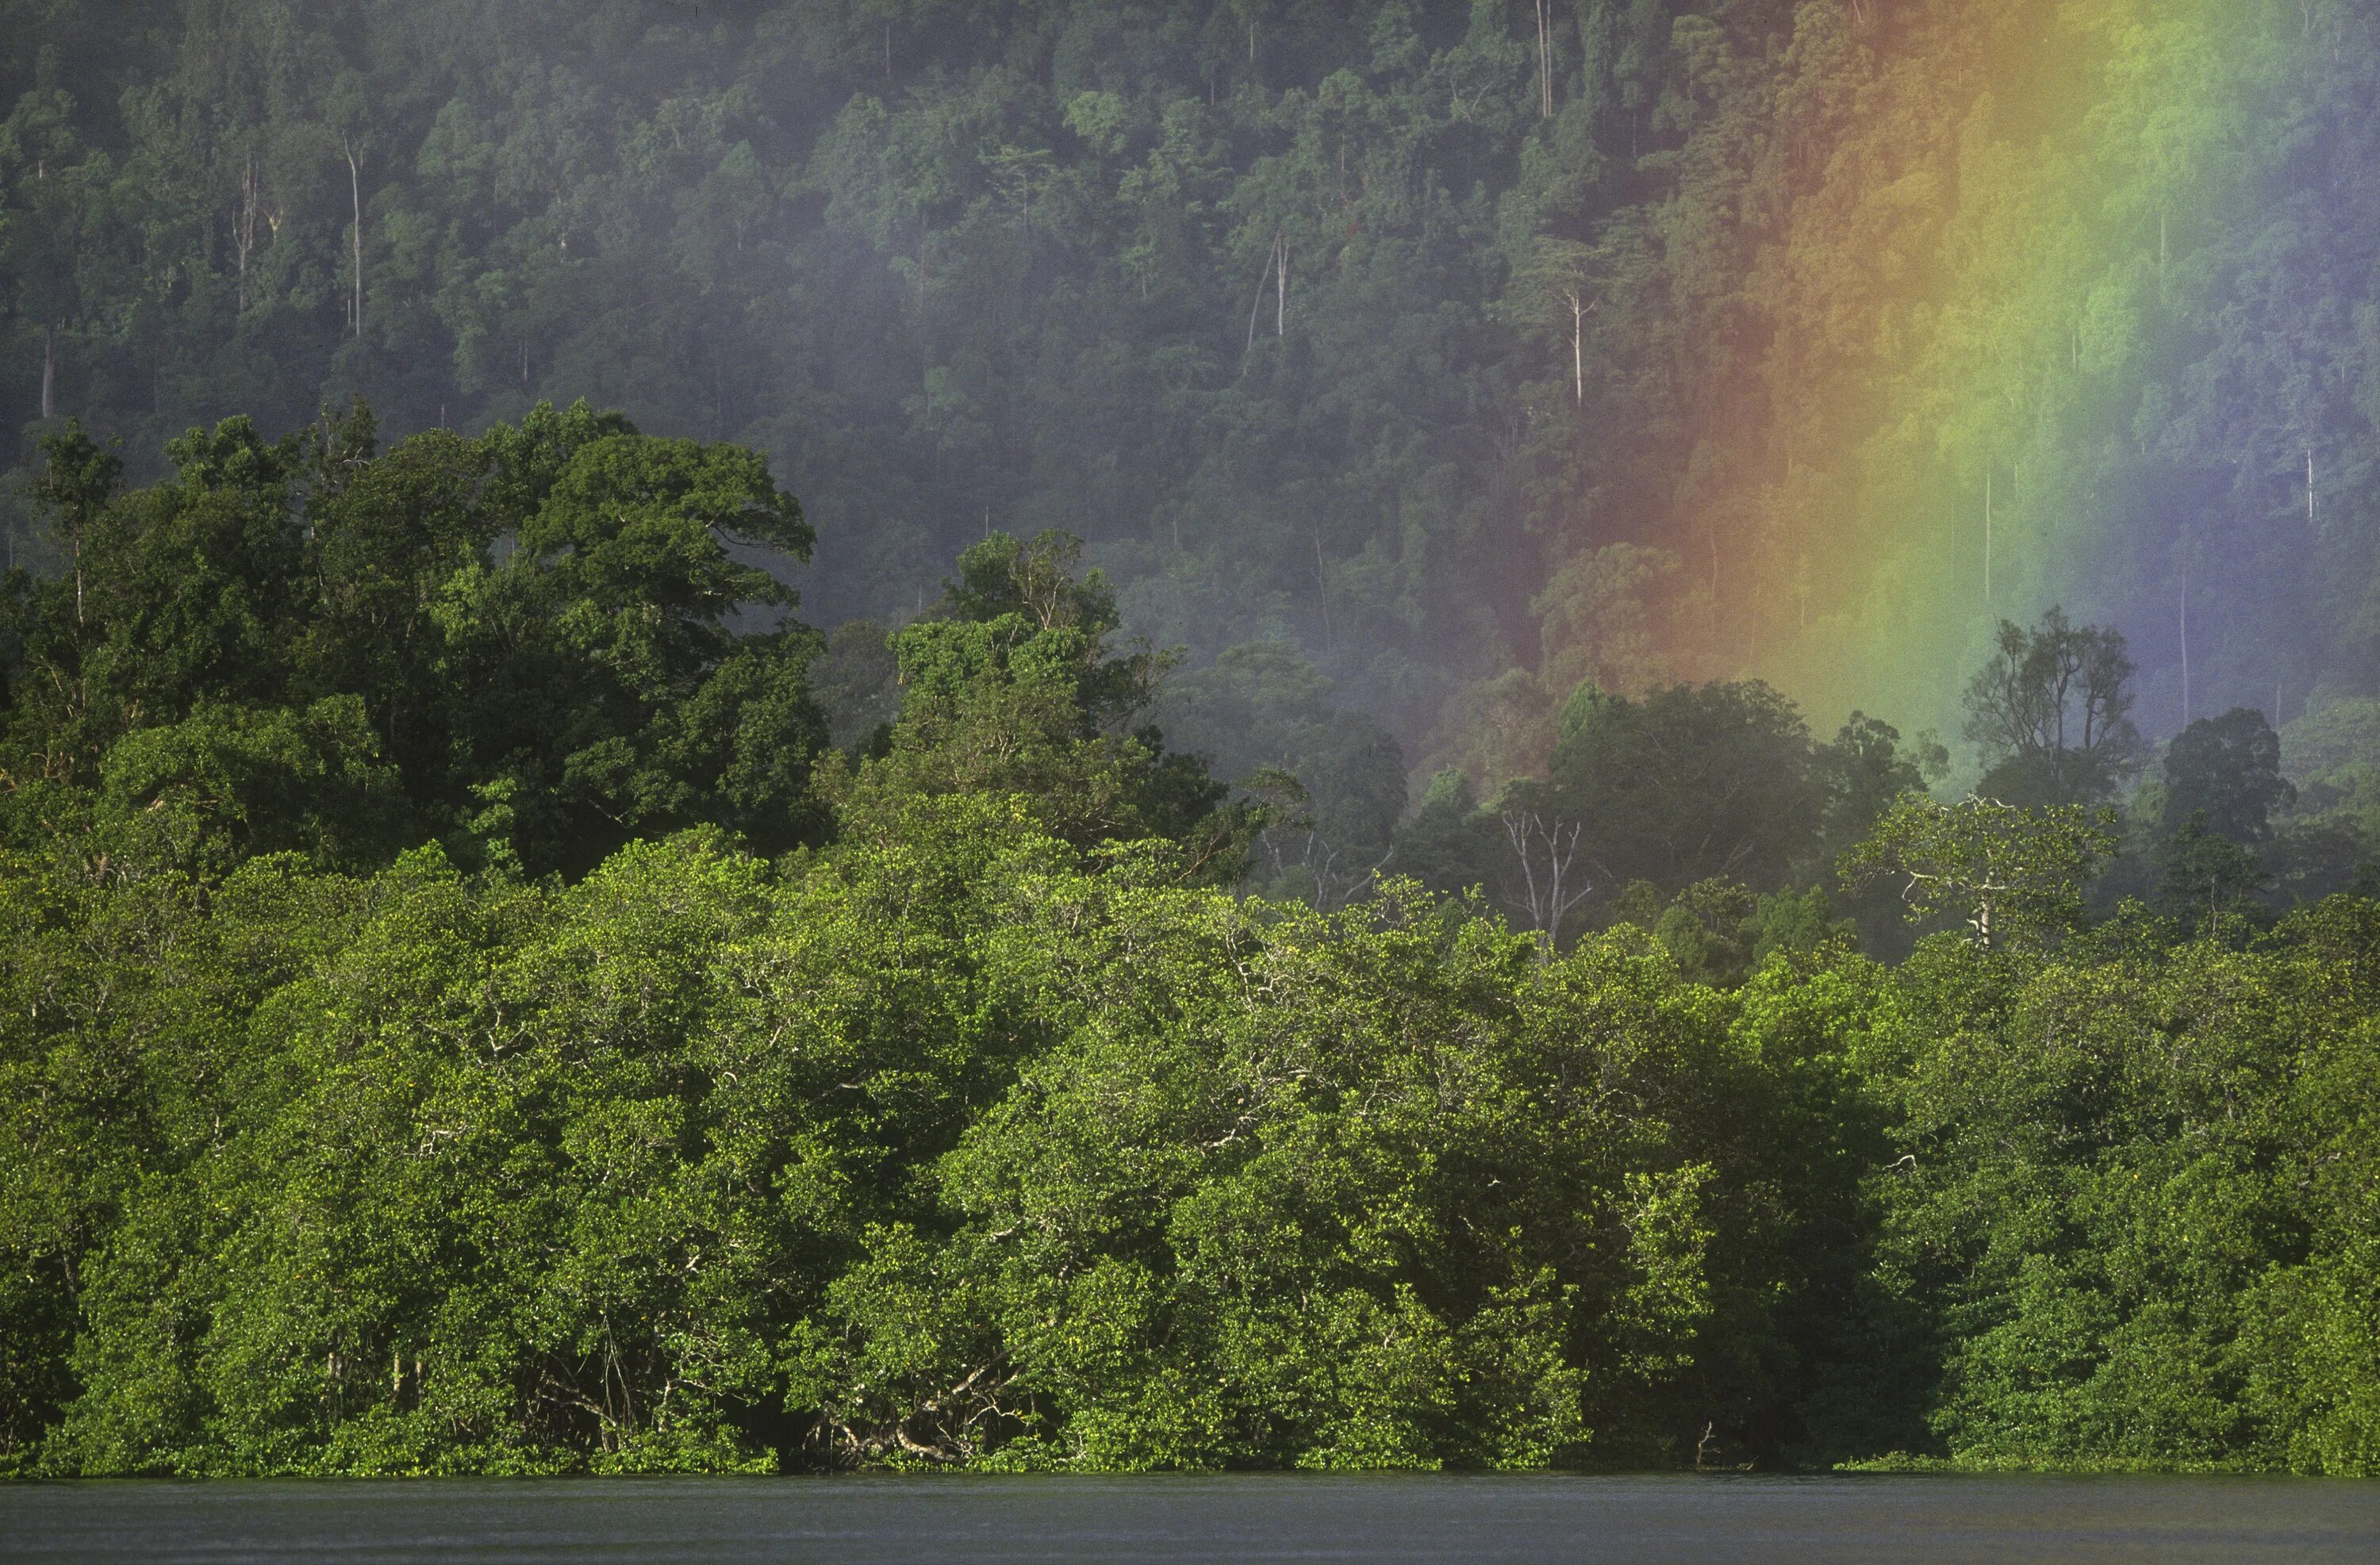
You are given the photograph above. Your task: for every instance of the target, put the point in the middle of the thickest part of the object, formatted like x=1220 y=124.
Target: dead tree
x=243 y=231
x=356 y=193
x=1547 y=854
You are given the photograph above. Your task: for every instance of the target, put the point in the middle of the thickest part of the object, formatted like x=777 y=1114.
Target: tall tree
x=2227 y=772
x=1690 y=784
x=2051 y=714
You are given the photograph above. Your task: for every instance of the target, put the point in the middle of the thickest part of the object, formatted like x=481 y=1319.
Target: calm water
x=859 y=1521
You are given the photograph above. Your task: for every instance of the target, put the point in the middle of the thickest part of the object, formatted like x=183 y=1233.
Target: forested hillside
x=1463 y=350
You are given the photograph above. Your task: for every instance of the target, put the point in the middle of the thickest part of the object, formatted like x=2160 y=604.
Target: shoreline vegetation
x=484 y=989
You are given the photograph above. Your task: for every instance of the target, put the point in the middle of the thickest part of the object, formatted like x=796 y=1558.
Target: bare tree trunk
x=2309 y=484
x=1322 y=588
x=1550 y=900
x=244 y=232
x=1579 y=311
x=2185 y=643
x=356 y=193
x=1256 y=305
x=50 y=372
x=1281 y=296
x=1987 y=535
x=1545 y=64
x=1581 y=306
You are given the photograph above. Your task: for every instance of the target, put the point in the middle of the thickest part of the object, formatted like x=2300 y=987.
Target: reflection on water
x=862 y=1520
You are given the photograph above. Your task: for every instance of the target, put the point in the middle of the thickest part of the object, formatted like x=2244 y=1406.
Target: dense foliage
x=515 y=642
x=460 y=1010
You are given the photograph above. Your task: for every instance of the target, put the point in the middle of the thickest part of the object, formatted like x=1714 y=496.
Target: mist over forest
x=903 y=734
x=1379 y=333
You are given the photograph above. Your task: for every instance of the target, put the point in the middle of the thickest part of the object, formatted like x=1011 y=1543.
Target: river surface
x=1525 y=1521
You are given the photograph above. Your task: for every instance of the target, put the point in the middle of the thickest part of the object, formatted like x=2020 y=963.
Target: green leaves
x=943 y=1148
x=2011 y=875
x=1018 y=692
x=634 y=519
x=312 y=645
x=2105 y=1205
x=952 y=1144
x=228 y=783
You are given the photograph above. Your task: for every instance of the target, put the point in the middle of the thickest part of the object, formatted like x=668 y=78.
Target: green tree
x=2012 y=875
x=2205 y=874
x=1691 y=783
x=1016 y=692
x=2050 y=712
x=2228 y=771
x=526 y=636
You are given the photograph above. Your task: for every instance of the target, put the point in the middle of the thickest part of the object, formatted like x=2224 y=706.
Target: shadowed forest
x=1482 y=739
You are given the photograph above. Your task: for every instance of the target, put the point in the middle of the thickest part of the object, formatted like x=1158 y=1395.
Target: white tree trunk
x=1256 y=305
x=356 y=193
x=1545 y=64
x=244 y=232
x=1578 y=349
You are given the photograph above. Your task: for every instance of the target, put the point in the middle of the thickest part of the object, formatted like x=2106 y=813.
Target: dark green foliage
x=482 y=989
x=2013 y=877
x=519 y=643
x=2228 y=771
x=942 y=1147
x=1695 y=787
x=2208 y=874
x=1441 y=340
x=2050 y=713
x=1690 y=784
x=1450 y=844
x=1263 y=711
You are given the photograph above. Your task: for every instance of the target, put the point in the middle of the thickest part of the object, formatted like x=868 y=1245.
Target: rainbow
x=1986 y=244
